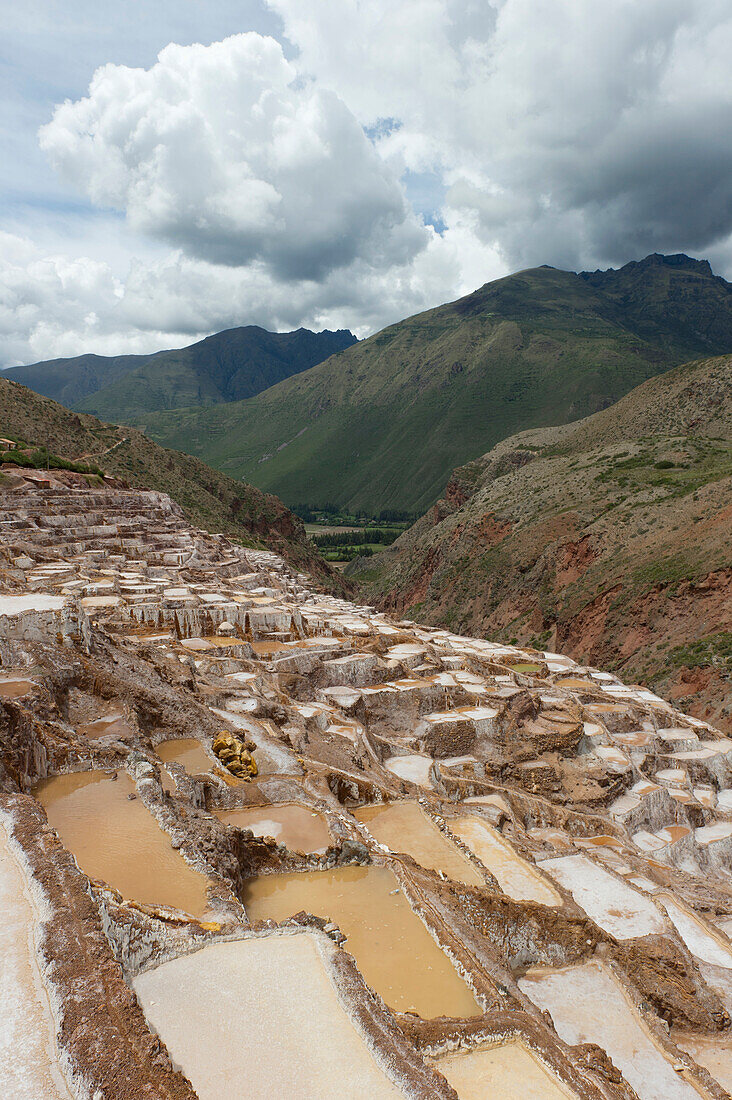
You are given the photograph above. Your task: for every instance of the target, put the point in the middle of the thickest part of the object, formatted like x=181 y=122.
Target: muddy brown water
x=290 y=823
x=392 y=948
x=404 y=827
x=265 y=649
x=187 y=751
x=112 y=725
x=115 y=839
x=16 y=688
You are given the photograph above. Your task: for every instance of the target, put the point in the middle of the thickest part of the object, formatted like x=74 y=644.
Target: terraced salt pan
x=611 y=903
x=111 y=725
x=264 y=1021
x=415 y=768
x=29 y=1061
x=587 y=1005
x=404 y=827
x=115 y=839
x=290 y=823
x=392 y=948
x=36 y=601
x=700 y=939
x=712 y=1052
x=516 y=877
x=507 y=1071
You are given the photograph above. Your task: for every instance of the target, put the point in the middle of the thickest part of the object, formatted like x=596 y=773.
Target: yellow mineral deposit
x=236 y=754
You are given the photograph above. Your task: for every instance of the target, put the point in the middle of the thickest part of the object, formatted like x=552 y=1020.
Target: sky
x=177 y=168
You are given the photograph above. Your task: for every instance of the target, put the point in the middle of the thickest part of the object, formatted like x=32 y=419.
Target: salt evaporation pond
x=392 y=948
x=260 y=1018
x=290 y=823
x=698 y=937
x=111 y=725
x=29 y=1060
x=187 y=751
x=405 y=827
x=415 y=768
x=616 y=907
x=587 y=1005
x=115 y=839
x=515 y=875
x=506 y=1071
x=714 y=1052
x=15 y=688
x=36 y=601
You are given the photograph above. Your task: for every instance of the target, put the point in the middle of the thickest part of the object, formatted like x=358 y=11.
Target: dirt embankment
x=607 y=540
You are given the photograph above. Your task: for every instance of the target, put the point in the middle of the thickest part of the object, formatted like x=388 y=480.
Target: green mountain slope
x=210 y=499
x=227 y=366
x=607 y=539
x=381 y=424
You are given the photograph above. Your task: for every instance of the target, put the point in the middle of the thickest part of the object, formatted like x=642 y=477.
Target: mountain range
x=381 y=424
x=228 y=366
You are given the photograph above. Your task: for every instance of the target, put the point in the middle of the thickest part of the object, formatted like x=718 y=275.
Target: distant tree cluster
x=382 y=535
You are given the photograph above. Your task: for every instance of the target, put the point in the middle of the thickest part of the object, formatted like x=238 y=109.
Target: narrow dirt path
x=101 y=454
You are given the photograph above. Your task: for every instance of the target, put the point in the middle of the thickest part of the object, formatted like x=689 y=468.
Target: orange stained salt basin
x=392 y=948
x=290 y=823
x=115 y=839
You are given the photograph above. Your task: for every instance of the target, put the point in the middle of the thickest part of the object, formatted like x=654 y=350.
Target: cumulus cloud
x=224 y=152
x=575 y=131
x=283 y=186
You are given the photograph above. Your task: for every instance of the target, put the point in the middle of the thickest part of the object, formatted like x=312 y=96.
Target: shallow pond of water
x=16 y=688
x=515 y=875
x=290 y=823
x=392 y=948
x=111 y=725
x=508 y=1071
x=404 y=827
x=187 y=751
x=115 y=839
x=266 y=649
